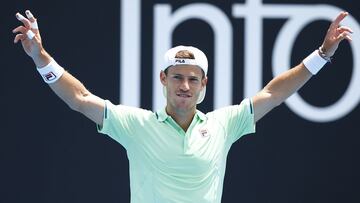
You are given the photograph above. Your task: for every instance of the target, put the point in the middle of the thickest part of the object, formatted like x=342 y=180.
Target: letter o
x=281 y=61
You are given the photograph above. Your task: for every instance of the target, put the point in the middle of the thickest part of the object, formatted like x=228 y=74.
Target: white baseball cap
x=199 y=60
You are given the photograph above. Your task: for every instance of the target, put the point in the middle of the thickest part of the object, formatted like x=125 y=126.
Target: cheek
x=196 y=85
x=171 y=84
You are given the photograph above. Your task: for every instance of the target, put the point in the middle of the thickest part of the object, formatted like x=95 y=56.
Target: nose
x=184 y=85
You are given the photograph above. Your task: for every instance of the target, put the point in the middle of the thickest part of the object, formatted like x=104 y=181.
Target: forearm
x=67 y=87
x=70 y=90
x=287 y=83
x=280 y=88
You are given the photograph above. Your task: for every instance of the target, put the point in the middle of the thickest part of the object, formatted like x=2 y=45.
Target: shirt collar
x=161 y=115
x=200 y=115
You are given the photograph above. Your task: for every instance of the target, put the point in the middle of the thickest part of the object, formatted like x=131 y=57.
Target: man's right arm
x=67 y=87
x=78 y=98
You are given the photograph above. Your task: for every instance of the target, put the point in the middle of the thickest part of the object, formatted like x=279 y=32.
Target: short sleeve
x=237 y=120
x=121 y=122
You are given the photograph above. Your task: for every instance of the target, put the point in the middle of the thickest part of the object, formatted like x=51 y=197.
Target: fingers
x=29 y=15
x=344 y=35
x=32 y=20
x=24 y=20
x=30 y=35
x=342 y=32
x=348 y=38
x=30 y=26
x=344 y=28
x=21 y=29
x=19 y=37
x=336 y=34
x=335 y=24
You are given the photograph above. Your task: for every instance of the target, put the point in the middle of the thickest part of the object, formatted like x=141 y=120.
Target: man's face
x=183 y=85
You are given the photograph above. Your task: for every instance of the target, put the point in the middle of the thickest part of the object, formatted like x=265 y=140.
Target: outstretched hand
x=335 y=35
x=28 y=34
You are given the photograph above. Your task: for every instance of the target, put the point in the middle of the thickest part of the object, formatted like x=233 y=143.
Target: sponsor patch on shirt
x=204 y=132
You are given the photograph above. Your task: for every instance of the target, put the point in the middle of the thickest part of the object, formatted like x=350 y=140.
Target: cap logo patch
x=179 y=61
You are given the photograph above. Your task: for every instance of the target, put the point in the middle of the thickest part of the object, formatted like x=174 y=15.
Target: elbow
x=77 y=102
x=275 y=99
x=74 y=104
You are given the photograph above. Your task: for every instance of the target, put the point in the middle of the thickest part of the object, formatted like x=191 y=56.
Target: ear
x=204 y=81
x=163 y=78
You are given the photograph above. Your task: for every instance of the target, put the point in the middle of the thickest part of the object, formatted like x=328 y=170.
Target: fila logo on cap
x=179 y=61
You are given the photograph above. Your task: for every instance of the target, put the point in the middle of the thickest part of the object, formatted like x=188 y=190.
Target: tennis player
x=177 y=154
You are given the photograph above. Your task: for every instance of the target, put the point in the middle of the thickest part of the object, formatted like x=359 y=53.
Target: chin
x=185 y=105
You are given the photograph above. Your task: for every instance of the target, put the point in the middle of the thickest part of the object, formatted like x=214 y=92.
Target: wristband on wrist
x=51 y=72
x=314 y=62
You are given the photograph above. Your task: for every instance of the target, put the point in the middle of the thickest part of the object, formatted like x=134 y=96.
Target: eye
x=194 y=79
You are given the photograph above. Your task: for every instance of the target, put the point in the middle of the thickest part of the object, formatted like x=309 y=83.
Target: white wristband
x=314 y=62
x=51 y=72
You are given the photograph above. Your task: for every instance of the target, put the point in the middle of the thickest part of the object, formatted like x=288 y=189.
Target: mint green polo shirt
x=168 y=164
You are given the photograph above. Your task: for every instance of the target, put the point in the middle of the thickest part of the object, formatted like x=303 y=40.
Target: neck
x=182 y=118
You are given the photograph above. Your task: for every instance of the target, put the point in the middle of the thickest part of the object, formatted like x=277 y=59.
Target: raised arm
x=67 y=87
x=285 y=84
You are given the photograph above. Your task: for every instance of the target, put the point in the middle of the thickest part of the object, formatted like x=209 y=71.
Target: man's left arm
x=287 y=83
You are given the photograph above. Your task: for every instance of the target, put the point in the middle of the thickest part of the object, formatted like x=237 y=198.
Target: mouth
x=183 y=95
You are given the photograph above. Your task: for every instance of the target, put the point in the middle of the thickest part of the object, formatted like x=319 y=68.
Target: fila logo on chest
x=204 y=132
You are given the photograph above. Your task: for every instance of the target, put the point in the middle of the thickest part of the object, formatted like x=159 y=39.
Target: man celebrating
x=177 y=154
